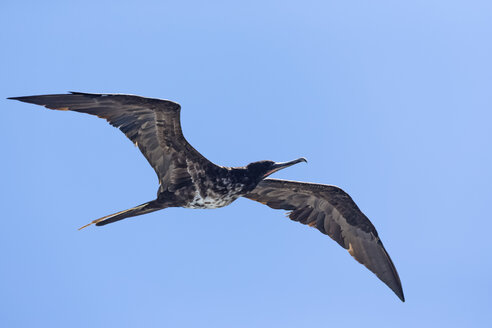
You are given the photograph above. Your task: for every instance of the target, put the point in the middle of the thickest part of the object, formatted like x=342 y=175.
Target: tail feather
x=134 y=211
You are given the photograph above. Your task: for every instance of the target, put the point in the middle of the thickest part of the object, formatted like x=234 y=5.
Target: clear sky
x=390 y=100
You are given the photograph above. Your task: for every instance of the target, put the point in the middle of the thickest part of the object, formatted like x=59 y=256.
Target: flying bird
x=188 y=179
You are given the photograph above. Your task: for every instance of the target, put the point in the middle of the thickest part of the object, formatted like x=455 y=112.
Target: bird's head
x=261 y=169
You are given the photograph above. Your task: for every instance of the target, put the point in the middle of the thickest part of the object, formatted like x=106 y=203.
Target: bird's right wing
x=330 y=210
x=151 y=124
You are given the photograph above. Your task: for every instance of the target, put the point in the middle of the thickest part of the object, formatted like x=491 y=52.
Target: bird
x=188 y=179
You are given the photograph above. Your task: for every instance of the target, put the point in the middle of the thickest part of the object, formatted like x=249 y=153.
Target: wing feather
x=151 y=124
x=333 y=212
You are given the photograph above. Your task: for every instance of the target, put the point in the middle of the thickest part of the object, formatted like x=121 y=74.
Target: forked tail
x=137 y=210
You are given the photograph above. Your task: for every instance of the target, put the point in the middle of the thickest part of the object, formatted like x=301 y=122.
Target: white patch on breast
x=208 y=202
x=199 y=201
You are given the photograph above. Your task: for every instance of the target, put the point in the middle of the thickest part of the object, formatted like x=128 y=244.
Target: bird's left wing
x=151 y=124
x=330 y=210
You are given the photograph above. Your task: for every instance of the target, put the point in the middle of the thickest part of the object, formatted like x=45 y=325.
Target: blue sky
x=389 y=100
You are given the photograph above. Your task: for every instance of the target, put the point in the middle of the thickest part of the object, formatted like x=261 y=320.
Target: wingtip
x=398 y=290
x=27 y=99
x=401 y=296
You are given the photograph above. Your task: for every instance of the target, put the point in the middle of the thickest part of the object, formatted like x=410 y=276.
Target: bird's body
x=218 y=187
x=187 y=179
x=210 y=187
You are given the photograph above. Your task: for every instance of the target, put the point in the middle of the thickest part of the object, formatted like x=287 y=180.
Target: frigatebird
x=188 y=179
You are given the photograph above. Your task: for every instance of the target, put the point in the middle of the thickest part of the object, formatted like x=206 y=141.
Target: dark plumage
x=187 y=179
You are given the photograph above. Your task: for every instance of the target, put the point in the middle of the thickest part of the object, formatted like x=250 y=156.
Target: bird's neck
x=241 y=175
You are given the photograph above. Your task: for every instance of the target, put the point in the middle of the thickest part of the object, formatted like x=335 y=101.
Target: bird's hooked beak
x=282 y=165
